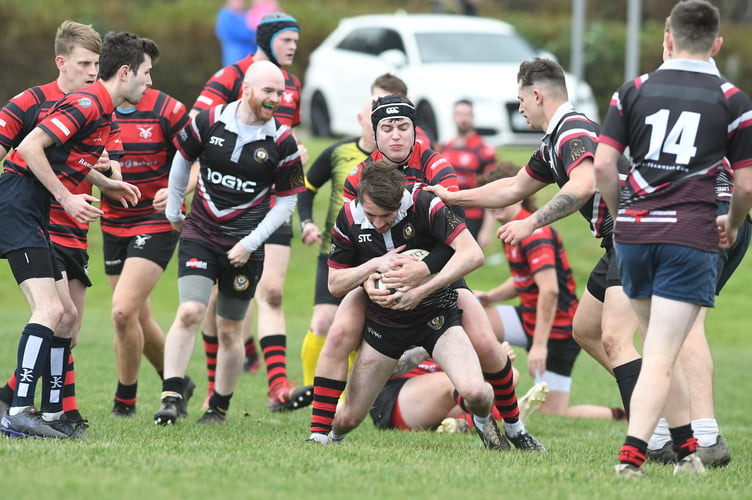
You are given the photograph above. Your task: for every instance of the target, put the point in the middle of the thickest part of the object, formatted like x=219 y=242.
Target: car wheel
x=427 y=121
x=320 y=124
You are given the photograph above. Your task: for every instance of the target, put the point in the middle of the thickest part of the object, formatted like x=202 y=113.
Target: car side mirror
x=394 y=58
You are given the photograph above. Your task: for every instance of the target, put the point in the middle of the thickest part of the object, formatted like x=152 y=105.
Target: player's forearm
x=180 y=173
x=467 y=258
x=544 y=316
x=343 y=280
x=42 y=170
x=274 y=218
x=558 y=207
x=503 y=292
x=492 y=195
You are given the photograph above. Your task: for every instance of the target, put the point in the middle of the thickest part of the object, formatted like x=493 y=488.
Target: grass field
x=261 y=455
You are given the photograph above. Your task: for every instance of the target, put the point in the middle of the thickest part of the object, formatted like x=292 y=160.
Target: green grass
x=261 y=455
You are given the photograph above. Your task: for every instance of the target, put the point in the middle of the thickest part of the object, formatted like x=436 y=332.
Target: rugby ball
x=417 y=253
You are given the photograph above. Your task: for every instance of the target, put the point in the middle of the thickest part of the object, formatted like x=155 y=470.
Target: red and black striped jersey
x=81 y=125
x=469 y=160
x=147 y=132
x=24 y=111
x=225 y=87
x=679 y=122
x=240 y=166
x=424 y=165
x=542 y=250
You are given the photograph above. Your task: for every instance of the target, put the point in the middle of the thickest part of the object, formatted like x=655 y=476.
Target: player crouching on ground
x=369 y=232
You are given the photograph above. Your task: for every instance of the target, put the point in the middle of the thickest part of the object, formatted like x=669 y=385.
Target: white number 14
x=680 y=141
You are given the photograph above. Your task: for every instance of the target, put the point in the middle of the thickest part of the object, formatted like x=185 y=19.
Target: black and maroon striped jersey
x=542 y=250
x=225 y=86
x=423 y=221
x=424 y=165
x=240 y=167
x=469 y=160
x=678 y=122
x=24 y=111
x=147 y=132
x=571 y=138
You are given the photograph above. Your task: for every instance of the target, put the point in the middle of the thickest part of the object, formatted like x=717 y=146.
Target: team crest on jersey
x=437 y=322
x=408 y=232
x=261 y=155
x=452 y=219
x=241 y=283
x=576 y=149
x=84 y=102
x=144 y=132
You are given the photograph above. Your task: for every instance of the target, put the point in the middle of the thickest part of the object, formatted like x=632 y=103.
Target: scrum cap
x=269 y=27
x=392 y=106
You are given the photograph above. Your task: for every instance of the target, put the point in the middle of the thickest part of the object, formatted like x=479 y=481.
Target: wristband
x=303 y=224
x=108 y=172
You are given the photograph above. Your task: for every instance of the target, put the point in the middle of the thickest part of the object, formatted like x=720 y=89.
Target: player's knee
x=320 y=326
x=121 y=317
x=342 y=339
x=348 y=420
x=67 y=318
x=272 y=296
x=191 y=313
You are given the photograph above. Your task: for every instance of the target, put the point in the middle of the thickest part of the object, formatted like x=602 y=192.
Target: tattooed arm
x=410 y=359
x=572 y=196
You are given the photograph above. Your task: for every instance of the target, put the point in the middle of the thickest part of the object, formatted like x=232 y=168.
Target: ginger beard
x=262 y=108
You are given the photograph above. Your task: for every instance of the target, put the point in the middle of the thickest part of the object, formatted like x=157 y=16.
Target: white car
x=441 y=58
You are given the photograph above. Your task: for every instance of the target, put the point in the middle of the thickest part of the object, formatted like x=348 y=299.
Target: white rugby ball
x=418 y=253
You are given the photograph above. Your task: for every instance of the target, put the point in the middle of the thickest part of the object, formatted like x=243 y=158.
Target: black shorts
x=30 y=263
x=195 y=258
x=562 y=353
x=156 y=247
x=75 y=263
x=282 y=236
x=730 y=258
x=604 y=275
x=392 y=342
x=321 y=292
x=383 y=407
x=25 y=209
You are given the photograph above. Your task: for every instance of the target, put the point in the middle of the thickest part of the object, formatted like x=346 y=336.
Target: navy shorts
x=321 y=291
x=75 y=263
x=673 y=272
x=196 y=258
x=156 y=247
x=392 y=342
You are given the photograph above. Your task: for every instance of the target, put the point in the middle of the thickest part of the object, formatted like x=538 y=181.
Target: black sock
x=626 y=378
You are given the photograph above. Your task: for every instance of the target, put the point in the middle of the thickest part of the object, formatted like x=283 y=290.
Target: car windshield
x=472 y=48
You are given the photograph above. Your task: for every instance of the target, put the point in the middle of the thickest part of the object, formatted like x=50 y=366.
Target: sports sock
x=706 y=431
x=459 y=400
x=173 y=385
x=126 y=394
x=211 y=346
x=505 y=398
x=626 y=378
x=326 y=393
x=480 y=422
x=219 y=402
x=33 y=351
x=661 y=435
x=6 y=392
x=309 y=355
x=274 y=348
x=633 y=451
x=250 y=348
x=54 y=376
x=684 y=442
x=70 y=404
x=618 y=413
